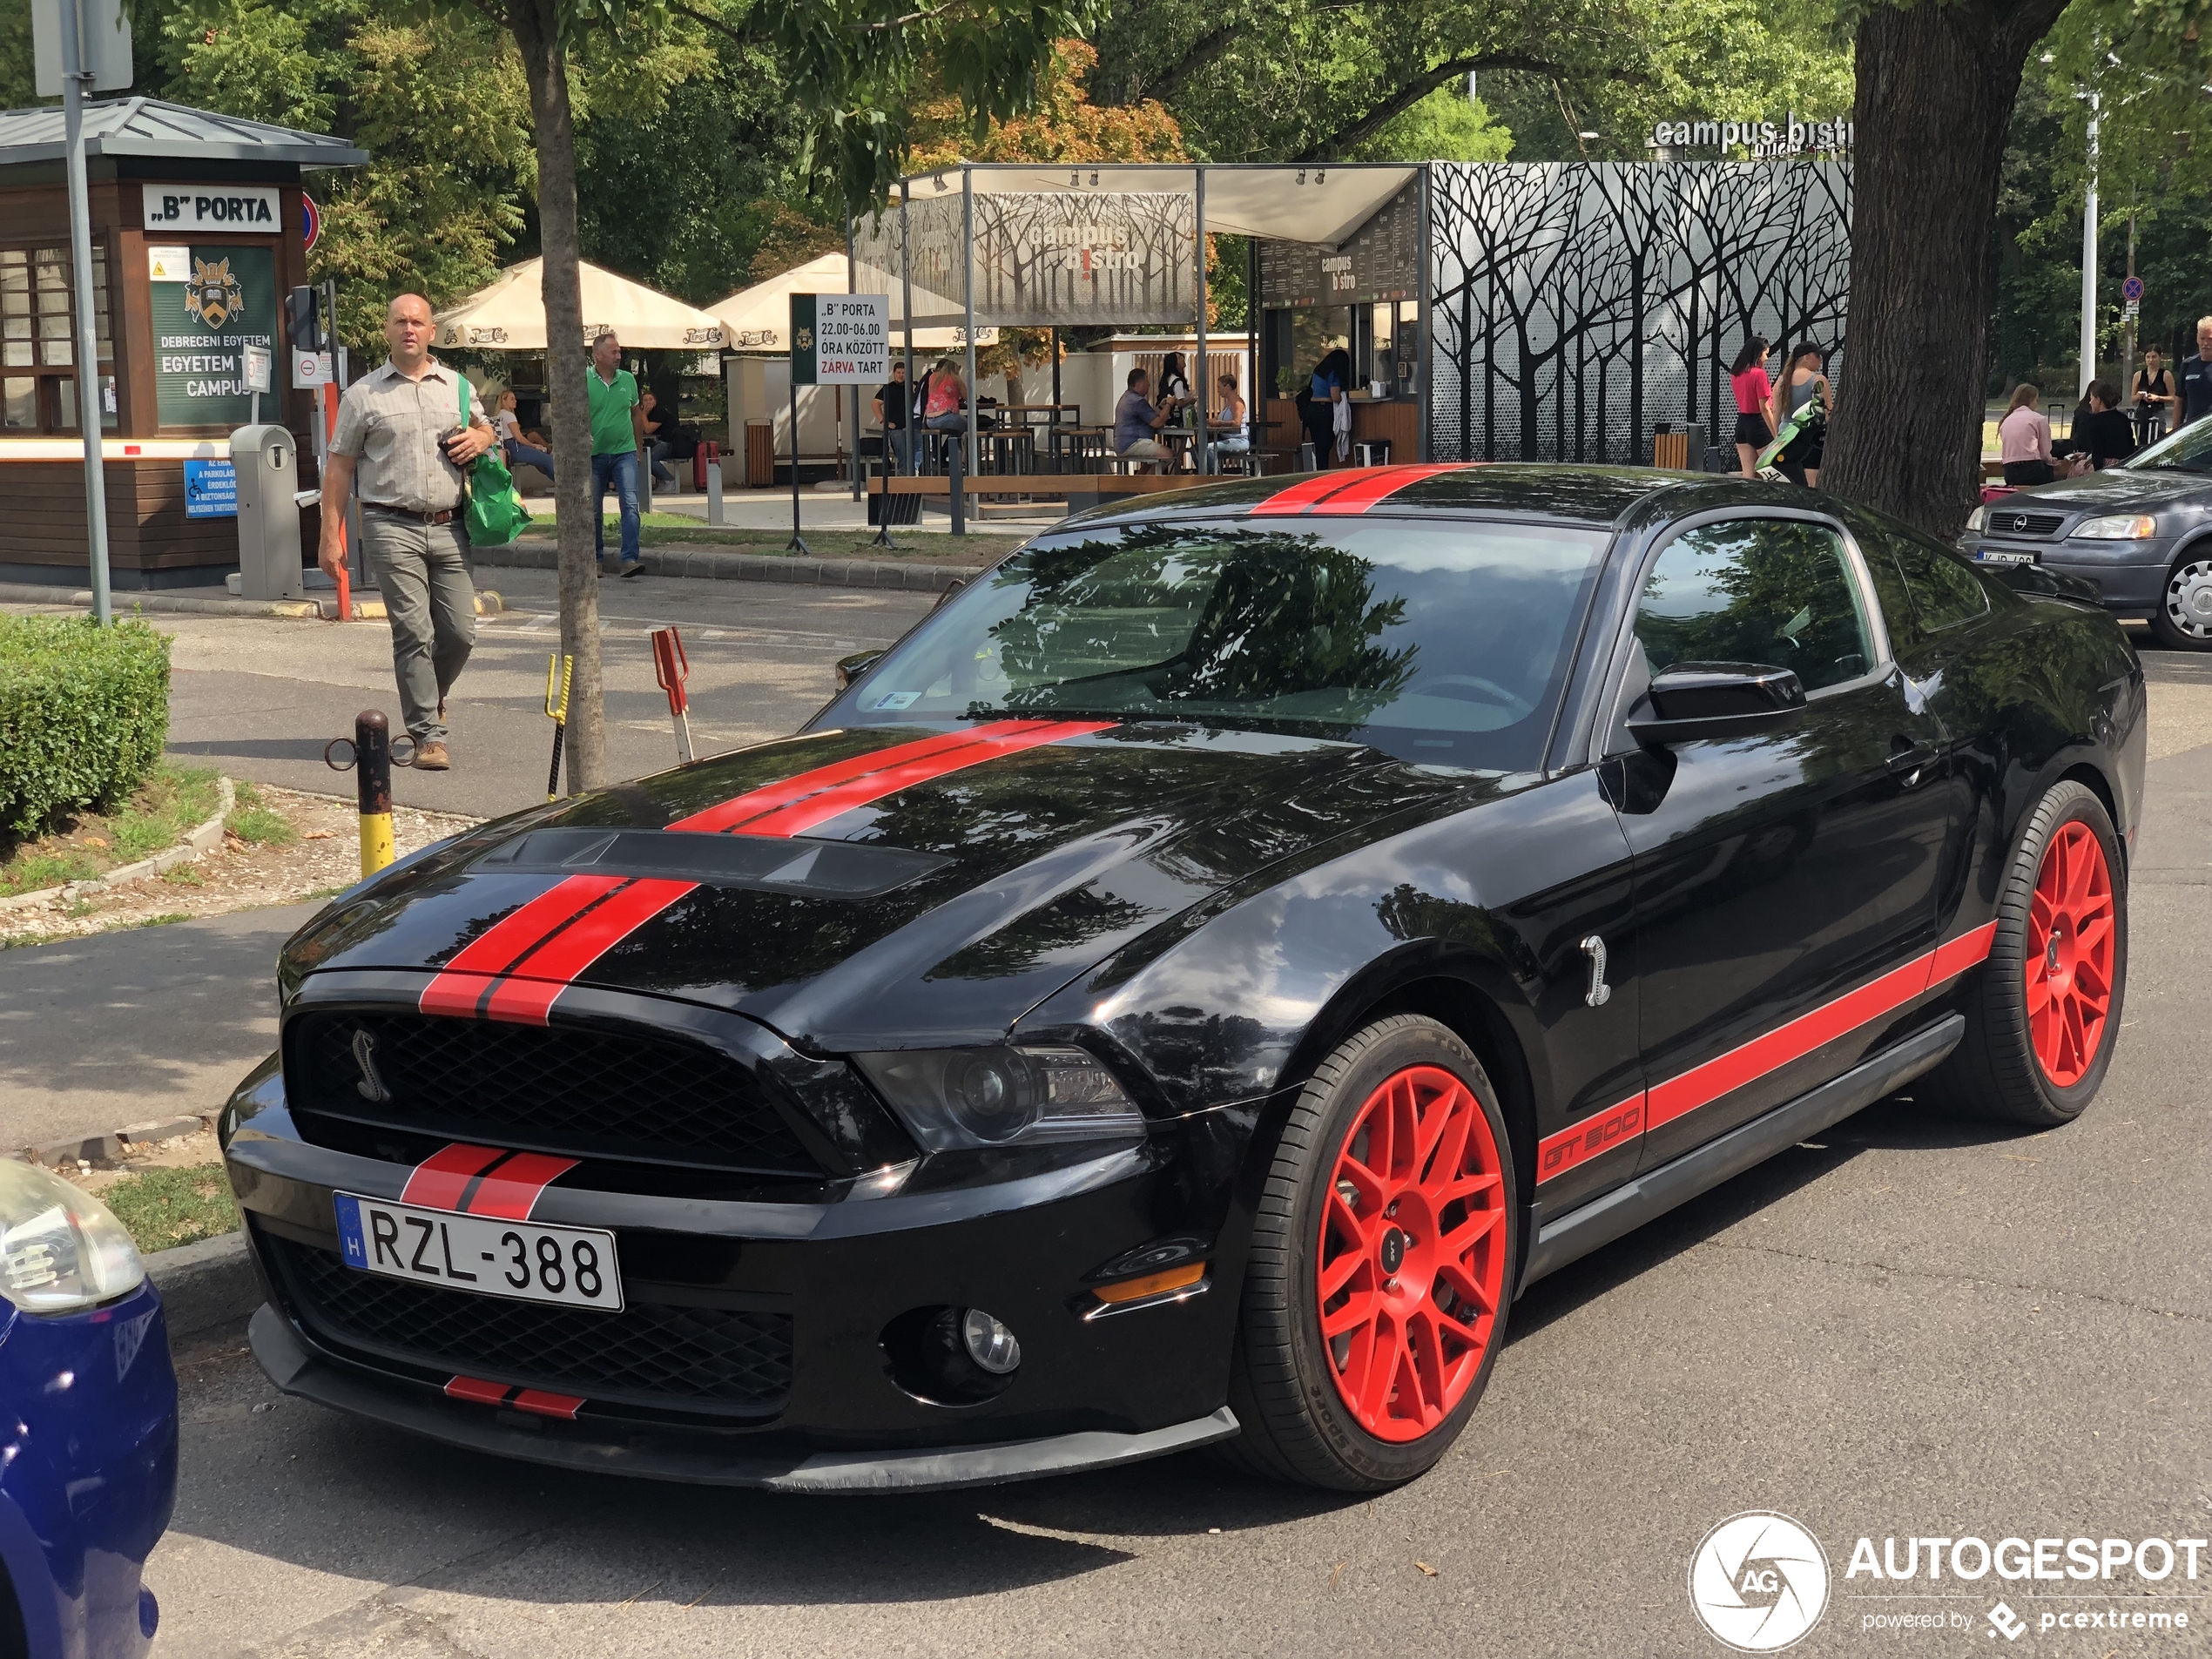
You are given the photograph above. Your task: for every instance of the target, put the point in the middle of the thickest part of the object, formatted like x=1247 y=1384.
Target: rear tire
x=1391 y=1212
x=2043 y=1012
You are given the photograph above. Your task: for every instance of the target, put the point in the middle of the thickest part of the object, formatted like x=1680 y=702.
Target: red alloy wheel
x=2069 y=954
x=1412 y=1261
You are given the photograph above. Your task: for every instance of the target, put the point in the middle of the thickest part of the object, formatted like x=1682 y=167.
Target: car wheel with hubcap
x=2183 y=619
x=1382 y=1255
x=2043 y=1015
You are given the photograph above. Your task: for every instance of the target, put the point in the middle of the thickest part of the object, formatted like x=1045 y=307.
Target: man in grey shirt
x=400 y=432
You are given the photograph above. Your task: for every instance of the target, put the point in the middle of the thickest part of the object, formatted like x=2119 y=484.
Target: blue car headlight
x=61 y=1248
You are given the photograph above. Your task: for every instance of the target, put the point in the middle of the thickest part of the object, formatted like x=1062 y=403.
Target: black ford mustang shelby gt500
x=1186 y=988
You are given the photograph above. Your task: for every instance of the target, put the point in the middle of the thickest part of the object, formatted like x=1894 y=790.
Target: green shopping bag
x=495 y=513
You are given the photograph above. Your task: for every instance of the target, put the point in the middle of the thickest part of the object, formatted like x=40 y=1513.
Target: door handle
x=1909 y=759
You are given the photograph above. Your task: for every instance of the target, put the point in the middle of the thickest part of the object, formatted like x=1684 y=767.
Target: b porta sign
x=210 y=207
x=840 y=339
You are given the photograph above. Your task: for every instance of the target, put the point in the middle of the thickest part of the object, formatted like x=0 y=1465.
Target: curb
x=109 y=1148
x=196 y=846
x=124 y=605
x=488 y=603
x=714 y=564
x=205 y=1285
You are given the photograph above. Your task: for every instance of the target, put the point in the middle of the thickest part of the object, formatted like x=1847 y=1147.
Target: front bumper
x=825 y=1276
x=2129 y=578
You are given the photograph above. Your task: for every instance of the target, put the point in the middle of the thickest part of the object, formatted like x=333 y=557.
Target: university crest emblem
x=213 y=294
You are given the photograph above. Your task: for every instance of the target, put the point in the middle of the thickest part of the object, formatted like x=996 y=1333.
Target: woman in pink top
x=2024 y=439
x=1753 y=392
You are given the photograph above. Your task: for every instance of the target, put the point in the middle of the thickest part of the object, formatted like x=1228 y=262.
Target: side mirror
x=851 y=668
x=1692 y=700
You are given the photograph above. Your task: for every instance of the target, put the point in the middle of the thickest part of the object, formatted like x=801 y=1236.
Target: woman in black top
x=2102 y=434
x=2154 y=397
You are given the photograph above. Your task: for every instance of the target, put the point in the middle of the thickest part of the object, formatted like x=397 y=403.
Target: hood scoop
x=768 y=864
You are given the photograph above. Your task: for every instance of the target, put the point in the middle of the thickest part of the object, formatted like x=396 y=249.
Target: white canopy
x=1321 y=204
x=510 y=314
x=755 y=319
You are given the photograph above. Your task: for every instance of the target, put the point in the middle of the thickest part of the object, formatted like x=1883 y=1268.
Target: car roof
x=1603 y=497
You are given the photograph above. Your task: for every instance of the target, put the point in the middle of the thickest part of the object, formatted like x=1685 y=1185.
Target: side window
x=1947 y=591
x=1775 y=592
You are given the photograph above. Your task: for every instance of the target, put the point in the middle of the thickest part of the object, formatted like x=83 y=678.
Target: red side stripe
x=801 y=816
x=1379 y=486
x=539 y=979
x=730 y=814
x=511 y=1191
x=1297 y=497
x=438 y=1182
x=1703 y=1085
x=501 y=945
x=1954 y=956
x=476 y=1389
x=547 y=1405
x=1617 y=1125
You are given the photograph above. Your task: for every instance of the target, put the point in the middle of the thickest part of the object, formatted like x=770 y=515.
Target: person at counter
x=1331 y=375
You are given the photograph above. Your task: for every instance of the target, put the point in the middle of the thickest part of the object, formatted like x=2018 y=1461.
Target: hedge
x=83 y=715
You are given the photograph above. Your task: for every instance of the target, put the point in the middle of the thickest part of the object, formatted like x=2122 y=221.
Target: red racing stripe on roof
x=1297 y=497
x=819 y=808
x=729 y=815
x=1379 y=485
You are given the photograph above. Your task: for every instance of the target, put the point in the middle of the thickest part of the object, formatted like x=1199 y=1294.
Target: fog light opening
x=951 y=1356
x=990 y=1343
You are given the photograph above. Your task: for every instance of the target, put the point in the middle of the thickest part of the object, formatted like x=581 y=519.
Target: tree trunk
x=537 y=24
x=1936 y=86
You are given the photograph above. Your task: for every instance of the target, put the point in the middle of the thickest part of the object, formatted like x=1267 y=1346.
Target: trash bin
x=266 y=459
x=760 y=455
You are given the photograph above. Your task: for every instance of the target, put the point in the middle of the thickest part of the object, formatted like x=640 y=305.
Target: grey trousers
x=422 y=572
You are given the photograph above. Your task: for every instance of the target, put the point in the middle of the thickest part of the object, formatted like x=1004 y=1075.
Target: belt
x=445 y=517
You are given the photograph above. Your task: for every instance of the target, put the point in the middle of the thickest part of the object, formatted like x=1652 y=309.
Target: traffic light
x=303 y=320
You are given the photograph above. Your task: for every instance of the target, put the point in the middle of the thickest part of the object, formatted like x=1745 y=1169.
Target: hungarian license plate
x=2004 y=556
x=522 y=1260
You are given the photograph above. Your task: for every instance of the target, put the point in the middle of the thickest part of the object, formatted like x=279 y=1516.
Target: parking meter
x=266 y=460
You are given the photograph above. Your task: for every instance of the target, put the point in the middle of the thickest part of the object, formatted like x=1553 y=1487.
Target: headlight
x=2121 y=526
x=967 y=1097
x=1974 y=519
x=60 y=1250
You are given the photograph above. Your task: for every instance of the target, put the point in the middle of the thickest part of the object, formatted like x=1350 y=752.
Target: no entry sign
x=840 y=339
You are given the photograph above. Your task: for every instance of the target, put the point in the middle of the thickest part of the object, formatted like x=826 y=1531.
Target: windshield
x=2187 y=450
x=1441 y=642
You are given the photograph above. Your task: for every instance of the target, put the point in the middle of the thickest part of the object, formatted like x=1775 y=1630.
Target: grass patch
x=172 y=802
x=185 y=875
x=254 y=821
x=165 y=1207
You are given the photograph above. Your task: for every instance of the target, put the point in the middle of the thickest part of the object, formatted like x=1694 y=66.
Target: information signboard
x=211 y=489
x=840 y=339
x=201 y=327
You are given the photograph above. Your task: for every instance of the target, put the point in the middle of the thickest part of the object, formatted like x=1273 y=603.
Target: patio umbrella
x=510 y=314
x=756 y=319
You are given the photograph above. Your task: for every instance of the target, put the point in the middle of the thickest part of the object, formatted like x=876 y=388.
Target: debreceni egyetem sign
x=840 y=339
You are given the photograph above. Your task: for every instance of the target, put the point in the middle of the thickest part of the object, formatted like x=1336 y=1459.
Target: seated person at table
x=522 y=448
x=2102 y=434
x=1230 y=418
x=1137 y=422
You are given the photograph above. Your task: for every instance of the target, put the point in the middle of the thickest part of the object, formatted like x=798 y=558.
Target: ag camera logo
x=1759 y=1582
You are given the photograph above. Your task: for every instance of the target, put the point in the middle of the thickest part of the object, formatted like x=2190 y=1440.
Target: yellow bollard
x=557 y=671
x=373 y=771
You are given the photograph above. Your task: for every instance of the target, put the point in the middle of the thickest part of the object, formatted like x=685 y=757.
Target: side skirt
x=1652 y=1194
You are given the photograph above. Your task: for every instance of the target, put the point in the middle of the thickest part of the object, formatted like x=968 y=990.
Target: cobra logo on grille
x=371 y=1087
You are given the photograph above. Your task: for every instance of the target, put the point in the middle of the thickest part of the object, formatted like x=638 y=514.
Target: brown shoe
x=432 y=757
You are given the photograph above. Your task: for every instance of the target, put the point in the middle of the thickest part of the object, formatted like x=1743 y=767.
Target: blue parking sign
x=211 y=489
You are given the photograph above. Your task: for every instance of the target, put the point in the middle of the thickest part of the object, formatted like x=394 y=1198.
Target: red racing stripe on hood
x=730 y=814
x=819 y=808
x=528 y=993
x=459 y=987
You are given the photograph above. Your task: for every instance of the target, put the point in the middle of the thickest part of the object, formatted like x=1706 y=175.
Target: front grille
x=678 y=1358
x=558 y=1089
x=2000 y=520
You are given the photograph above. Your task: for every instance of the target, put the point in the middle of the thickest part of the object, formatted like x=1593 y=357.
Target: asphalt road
x=1908 y=1327
x=261 y=698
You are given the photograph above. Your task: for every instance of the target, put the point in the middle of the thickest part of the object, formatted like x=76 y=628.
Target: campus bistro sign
x=1764 y=138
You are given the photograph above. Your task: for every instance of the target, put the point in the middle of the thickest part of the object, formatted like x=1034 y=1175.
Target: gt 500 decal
x=1580 y=1142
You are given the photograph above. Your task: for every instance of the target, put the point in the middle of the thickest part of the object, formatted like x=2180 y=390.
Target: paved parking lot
x=1909 y=1327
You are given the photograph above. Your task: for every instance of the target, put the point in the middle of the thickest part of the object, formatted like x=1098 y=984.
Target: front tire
x=2182 y=620
x=2045 y=1013
x=1382 y=1263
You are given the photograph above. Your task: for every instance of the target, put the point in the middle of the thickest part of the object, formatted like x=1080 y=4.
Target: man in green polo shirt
x=615 y=425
